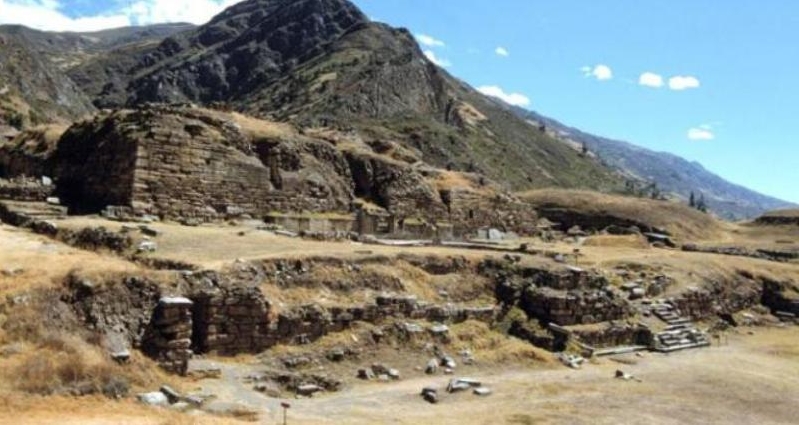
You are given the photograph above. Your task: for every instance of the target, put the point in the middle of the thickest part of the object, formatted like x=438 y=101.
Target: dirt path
x=754 y=379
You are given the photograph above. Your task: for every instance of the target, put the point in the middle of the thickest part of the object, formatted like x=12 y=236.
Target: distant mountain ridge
x=671 y=173
x=323 y=63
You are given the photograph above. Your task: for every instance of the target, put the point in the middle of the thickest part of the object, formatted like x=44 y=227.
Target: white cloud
x=429 y=41
x=145 y=12
x=702 y=132
x=516 y=99
x=48 y=15
x=600 y=72
x=45 y=15
x=683 y=82
x=650 y=79
x=431 y=55
x=501 y=51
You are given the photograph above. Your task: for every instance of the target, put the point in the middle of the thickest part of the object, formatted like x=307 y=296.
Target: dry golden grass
x=613 y=241
x=783 y=213
x=31 y=261
x=257 y=128
x=469 y=114
x=679 y=220
x=496 y=348
x=20 y=409
x=448 y=180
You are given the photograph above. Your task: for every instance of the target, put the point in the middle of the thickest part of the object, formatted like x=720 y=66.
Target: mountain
x=671 y=173
x=35 y=85
x=322 y=63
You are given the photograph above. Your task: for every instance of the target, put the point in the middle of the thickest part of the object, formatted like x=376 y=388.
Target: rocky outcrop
x=240 y=50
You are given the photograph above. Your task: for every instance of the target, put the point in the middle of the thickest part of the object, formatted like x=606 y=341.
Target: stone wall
x=25 y=190
x=314 y=224
x=612 y=334
x=574 y=307
x=169 y=337
x=469 y=210
x=232 y=320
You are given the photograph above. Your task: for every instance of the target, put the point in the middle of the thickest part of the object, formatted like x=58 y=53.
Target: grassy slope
x=676 y=218
x=376 y=80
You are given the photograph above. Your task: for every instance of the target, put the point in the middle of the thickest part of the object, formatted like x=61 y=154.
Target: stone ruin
x=169 y=337
x=227 y=316
x=181 y=162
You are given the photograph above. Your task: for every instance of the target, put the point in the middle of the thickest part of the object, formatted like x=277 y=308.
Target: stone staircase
x=680 y=332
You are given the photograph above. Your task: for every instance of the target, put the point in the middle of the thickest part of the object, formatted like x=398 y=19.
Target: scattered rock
x=455 y=385
x=170 y=393
x=366 y=374
x=430 y=395
x=147 y=246
x=52 y=200
x=571 y=360
x=448 y=362
x=439 y=330
x=482 y=391
x=432 y=367
x=308 y=390
x=149 y=231
x=121 y=356
x=393 y=374
x=155 y=398
x=379 y=369
x=336 y=355
x=620 y=374
x=268 y=388
x=181 y=406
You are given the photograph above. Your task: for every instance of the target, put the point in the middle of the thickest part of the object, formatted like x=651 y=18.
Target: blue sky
x=710 y=83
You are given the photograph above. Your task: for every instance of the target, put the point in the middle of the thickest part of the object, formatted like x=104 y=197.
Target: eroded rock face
x=241 y=50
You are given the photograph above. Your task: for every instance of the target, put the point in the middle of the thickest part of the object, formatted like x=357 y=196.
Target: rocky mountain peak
x=245 y=47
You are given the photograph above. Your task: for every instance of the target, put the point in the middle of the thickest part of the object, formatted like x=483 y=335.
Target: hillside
x=670 y=172
x=35 y=87
x=595 y=211
x=779 y=217
x=322 y=63
x=32 y=90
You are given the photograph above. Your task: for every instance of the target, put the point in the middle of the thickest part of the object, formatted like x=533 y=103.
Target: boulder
x=155 y=398
x=482 y=391
x=170 y=393
x=366 y=374
x=430 y=395
x=432 y=367
x=308 y=390
x=455 y=385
